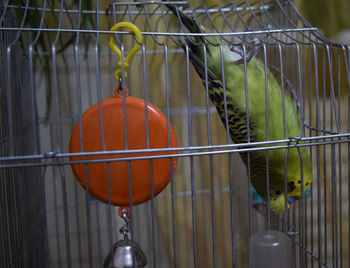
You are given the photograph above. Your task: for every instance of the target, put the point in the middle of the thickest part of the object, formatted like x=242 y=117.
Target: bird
x=224 y=74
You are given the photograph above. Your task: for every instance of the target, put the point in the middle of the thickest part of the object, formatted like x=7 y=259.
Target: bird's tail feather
x=190 y=23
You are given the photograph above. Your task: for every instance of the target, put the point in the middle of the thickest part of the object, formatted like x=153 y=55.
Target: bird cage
x=56 y=64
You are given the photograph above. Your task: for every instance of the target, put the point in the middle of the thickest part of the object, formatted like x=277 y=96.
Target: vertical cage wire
x=52 y=71
x=22 y=201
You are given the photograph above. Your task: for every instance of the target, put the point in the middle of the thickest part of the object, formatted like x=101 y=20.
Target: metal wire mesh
x=55 y=64
x=23 y=230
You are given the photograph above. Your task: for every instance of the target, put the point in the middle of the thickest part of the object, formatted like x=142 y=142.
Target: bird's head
x=299 y=178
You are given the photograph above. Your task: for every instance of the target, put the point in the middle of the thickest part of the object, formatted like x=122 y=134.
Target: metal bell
x=124 y=253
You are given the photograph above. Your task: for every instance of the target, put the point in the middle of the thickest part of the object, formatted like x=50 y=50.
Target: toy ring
x=132 y=52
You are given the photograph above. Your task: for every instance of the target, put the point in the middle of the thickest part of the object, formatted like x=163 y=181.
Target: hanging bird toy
x=113 y=129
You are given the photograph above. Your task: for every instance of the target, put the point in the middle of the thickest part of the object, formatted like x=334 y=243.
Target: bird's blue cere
x=290 y=200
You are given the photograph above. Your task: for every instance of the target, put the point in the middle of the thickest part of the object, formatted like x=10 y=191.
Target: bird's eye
x=292 y=185
x=278 y=192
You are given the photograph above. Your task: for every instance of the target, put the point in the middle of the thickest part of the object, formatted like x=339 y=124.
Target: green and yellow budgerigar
x=236 y=107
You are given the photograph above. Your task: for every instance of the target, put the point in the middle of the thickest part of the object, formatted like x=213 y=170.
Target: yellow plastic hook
x=133 y=50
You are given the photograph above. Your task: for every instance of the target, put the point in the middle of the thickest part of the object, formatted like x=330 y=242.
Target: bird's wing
x=236 y=118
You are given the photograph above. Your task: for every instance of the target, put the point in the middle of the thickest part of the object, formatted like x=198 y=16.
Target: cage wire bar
x=55 y=64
